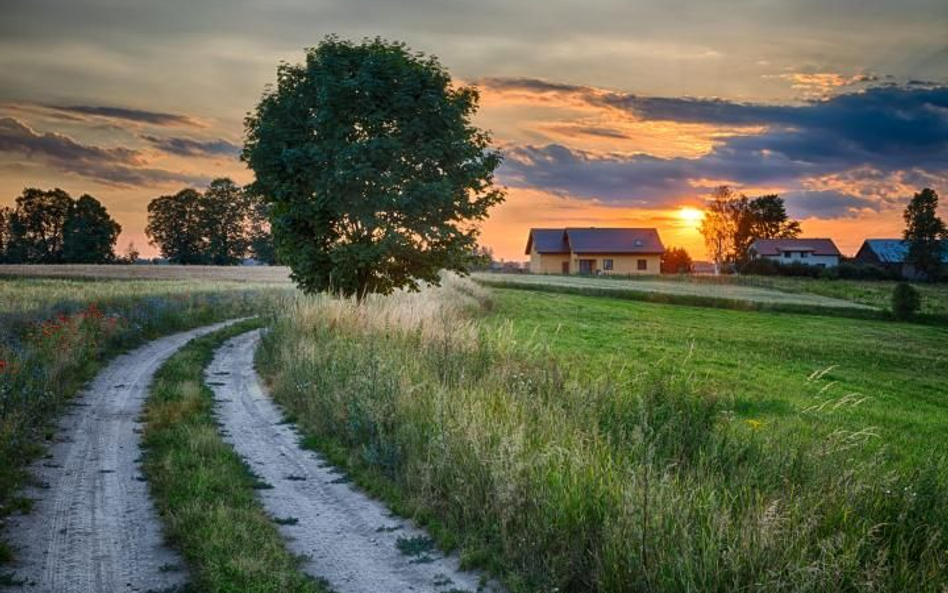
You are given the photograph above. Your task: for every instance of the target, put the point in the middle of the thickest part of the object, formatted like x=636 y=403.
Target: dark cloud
x=154 y=118
x=189 y=147
x=116 y=166
x=827 y=204
x=884 y=131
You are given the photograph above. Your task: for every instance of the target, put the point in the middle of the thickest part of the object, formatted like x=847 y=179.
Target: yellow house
x=595 y=251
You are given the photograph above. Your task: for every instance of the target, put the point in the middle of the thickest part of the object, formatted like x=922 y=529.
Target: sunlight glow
x=691 y=217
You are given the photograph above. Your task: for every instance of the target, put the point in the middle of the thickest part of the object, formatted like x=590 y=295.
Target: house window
x=643 y=265
x=787 y=255
x=804 y=254
x=587 y=266
x=607 y=264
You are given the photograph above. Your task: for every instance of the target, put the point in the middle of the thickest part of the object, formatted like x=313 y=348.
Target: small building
x=821 y=253
x=891 y=254
x=595 y=251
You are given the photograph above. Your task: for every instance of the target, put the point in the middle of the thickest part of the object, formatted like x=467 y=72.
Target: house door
x=566 y=267
x=586 y=266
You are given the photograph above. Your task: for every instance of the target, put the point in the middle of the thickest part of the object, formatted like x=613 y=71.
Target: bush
x=856 y=271
x=906 y=301
x=846 y=270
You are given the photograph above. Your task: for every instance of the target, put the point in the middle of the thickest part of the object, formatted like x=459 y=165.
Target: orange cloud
x=578 y=117
x=815 y=85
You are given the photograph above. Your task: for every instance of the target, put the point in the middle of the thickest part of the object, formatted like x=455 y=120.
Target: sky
x=608 y=112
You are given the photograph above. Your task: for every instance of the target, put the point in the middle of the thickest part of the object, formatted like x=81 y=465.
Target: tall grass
x=54 y=336
x=555 y=482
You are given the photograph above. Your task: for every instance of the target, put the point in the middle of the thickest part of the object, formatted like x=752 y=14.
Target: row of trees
x=50 y=227
x=732 y=221
x=220 y=226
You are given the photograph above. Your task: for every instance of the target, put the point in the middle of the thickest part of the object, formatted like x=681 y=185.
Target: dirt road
x=348 y=539
x=93 y=527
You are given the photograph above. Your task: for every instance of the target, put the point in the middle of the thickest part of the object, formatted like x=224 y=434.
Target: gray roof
x=595 y=240
x=778 y=246
x=894 y=251
x=548 y=241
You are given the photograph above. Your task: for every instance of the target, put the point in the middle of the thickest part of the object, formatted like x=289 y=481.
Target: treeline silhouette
x=222 y=225
x=50 y=227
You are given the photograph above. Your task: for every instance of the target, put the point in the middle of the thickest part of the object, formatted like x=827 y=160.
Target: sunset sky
x=610 y=112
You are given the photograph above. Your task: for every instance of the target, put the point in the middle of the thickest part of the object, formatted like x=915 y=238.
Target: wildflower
x=755 y=424
x=3 y=365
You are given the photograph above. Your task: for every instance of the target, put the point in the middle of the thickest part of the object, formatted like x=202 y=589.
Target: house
x=891 y=255
x=595 y=251
x=822 y=253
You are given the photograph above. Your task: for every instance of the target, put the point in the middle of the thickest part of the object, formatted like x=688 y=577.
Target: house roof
x=548 y=241
x=778 y=246
x=595 y=240
x=894 y=251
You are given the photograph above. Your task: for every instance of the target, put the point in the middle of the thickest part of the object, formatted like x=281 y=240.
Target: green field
x=585 y=443
x=558 y=441
x=852 y=298
x=767 y=363
x=875 y=293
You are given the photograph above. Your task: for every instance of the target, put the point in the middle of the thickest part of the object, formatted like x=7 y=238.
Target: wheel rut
x=347 y=538
x=93 y=527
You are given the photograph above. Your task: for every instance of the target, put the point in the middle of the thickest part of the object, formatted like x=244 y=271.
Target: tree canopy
x=676 y=260
x=175 y=227
x=925 y=231
x=220 y=226
x=89 y=233
x=49 y=227
x=373 y=172
x=733 y=221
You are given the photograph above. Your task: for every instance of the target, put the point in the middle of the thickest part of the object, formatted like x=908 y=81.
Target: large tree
x=924 y=231
x=176 y=227
x=764 y=217
x=375 y=175
x=733 y=221
x=219 y=226
x=89 y=233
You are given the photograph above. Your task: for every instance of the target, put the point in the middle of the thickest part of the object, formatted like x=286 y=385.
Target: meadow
x=580 y=443
x=563 y=442
x=853 y=298
x=56 y=333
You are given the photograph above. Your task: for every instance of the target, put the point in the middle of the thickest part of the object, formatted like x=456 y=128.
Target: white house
x=822 y=253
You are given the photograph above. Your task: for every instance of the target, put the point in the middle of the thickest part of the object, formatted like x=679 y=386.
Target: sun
x=691 y=217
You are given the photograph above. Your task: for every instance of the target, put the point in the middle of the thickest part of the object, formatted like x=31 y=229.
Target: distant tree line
x=50 y=227
x=733 y=221
x=221 y=226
